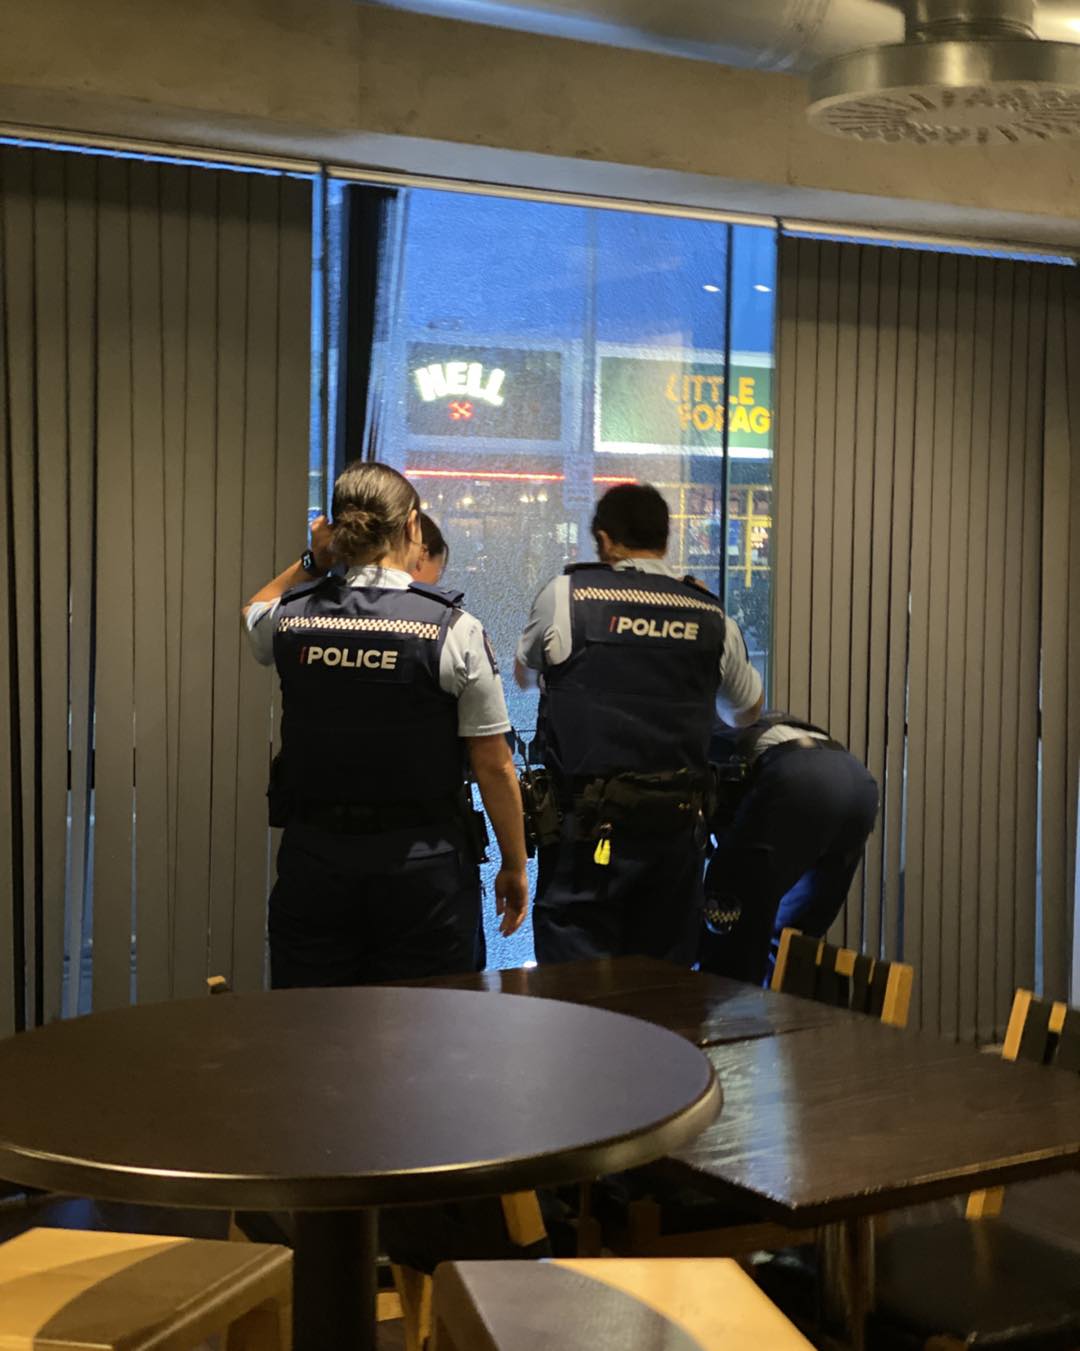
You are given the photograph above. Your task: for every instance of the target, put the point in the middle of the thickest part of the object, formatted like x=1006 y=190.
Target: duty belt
x=798 y=743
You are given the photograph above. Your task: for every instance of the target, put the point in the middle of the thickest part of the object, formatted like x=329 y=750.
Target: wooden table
x=829 y=1117
x=833 y=1126
x=334 y=1102
x=705 y=1009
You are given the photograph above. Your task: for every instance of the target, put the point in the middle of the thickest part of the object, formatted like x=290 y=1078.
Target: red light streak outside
x=504 y=475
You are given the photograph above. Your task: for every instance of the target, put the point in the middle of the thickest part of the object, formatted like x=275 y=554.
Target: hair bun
x=359 y=531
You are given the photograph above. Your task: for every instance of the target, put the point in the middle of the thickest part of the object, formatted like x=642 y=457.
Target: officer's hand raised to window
x=322 y=542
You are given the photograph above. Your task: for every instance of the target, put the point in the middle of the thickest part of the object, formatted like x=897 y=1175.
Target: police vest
x=364 y=718
x=638 y=691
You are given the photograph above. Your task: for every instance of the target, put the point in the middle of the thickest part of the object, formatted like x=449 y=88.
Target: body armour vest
x=363 y=717
x=638 y=691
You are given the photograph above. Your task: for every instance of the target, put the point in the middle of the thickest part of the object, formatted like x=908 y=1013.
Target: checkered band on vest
x=351 y=624
x=672 y=600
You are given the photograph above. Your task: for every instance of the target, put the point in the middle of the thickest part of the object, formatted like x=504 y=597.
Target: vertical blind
x=154 y=323
x=924 y=589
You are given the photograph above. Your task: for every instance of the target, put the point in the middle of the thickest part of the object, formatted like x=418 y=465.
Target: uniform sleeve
x=468 y=671
x=547 y=639
x=259 y=622
x=740 y=685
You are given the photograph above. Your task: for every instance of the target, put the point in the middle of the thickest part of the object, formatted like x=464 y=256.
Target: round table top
x=343 y=1098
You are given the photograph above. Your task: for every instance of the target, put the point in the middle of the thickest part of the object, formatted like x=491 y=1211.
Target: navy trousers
x=646 y=902
x=359 y=909
x=789 y=856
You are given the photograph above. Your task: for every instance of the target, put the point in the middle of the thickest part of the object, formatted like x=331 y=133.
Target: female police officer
x=382 y=678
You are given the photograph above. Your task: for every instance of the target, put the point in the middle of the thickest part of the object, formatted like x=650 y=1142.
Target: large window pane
x=533 y=354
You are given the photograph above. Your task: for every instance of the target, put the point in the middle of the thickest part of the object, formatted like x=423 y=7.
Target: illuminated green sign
x=649 y=401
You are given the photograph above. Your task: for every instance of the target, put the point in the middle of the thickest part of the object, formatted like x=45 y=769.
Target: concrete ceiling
x=764 y=34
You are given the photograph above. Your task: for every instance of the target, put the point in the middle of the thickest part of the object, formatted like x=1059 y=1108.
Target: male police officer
x=796 y=810
x=634 y=658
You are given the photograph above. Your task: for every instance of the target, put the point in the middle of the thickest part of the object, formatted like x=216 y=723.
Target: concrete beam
x=360 y=85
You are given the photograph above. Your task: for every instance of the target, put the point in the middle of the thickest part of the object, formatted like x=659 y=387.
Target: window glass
x=532 y=354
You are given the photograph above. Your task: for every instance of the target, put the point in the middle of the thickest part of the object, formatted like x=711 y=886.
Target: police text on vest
x=649 y=628
x=374 y=659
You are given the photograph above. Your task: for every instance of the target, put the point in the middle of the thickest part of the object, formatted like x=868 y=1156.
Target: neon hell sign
x=446 y=379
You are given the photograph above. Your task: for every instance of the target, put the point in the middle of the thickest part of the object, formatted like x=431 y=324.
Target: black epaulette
x=444 y=595
x=691 y=580
x=584 y=567
x=306 y=588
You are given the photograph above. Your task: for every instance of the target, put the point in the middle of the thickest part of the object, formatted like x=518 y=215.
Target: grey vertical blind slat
x=844 y=488
x=49 y=280
x=12 y=1013
x=952 y=540
x=259 y=560
x=920 y=638
x=803 y=419
x=1028 y=637
x=1011 y=896
x=228 y=656
x=862 y=511
x=935 y=602
x=175 y=247
x=824 y=474
x=152 y=874
x=787 y=311
x=869 y=937
x=891 y=807
x=155 y=334
x=1059 y=752
x=974 y=747
x=196 y=599
x=955 y=649
x=25 y=583
x=991 y=899
x=114 y=601
x=80 y=174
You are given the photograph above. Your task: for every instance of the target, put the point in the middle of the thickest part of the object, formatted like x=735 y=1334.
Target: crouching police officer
x=382 y=680
x=795 y=810
x=633 y=659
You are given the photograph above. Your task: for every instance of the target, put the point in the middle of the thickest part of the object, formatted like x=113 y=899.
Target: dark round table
x=331 y=1103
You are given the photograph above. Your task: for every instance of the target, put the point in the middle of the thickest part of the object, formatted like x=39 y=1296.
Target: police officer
x=633 y=659
x=384 y=680
x=796 y=811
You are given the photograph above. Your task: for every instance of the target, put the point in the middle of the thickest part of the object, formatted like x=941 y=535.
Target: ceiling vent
x=970 y=72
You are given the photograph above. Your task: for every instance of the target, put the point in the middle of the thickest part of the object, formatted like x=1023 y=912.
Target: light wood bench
x=606 y=1304
x=75 y=1290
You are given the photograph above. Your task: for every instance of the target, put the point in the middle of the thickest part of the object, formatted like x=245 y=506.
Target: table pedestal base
x=334 y=1280
x=846 y=1264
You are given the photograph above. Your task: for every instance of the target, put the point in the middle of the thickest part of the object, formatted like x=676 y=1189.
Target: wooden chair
x=977 y=1280
x=75 y=1290
x=813 y=969
x=524 y=1228
x=606 y=1305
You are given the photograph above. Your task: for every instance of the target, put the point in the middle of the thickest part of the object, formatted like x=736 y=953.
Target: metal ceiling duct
x=970 y=72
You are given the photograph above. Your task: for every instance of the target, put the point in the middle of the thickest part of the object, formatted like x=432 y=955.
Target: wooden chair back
x=1043 y=1031
x=1046 y=1033
x=814 y=969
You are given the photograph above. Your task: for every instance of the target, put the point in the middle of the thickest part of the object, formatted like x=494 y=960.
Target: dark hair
x=434 y=542
x=633 y=515
x=371 y=504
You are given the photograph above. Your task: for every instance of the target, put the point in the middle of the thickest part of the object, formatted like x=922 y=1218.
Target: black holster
x=543 y=815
